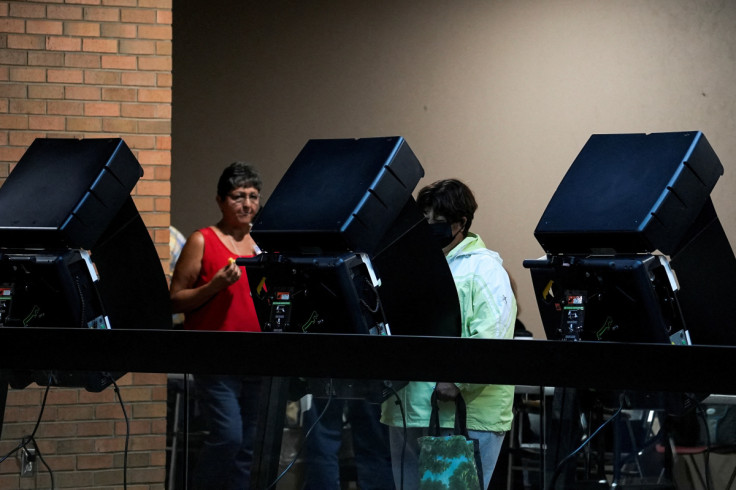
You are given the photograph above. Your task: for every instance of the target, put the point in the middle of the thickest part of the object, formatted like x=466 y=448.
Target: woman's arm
x=184 y=296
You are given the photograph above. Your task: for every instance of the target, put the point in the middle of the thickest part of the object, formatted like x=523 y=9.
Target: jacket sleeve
x=489 y=306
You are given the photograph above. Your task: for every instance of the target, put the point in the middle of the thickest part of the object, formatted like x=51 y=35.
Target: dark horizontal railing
x=599 y=365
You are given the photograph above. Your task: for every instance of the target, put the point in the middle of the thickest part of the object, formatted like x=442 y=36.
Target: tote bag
x=449 y=462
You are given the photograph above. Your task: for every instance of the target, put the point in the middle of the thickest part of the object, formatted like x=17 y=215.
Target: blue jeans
x=490 y=447
x=370 y=445
x=230 y=410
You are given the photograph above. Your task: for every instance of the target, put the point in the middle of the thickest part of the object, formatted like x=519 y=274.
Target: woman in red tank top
x=213 y=293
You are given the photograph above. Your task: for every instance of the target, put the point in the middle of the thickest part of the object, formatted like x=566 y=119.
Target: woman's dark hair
x=451 y=199
x=238 y=174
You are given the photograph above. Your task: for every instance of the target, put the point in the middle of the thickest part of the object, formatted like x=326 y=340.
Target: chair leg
x=730 y=480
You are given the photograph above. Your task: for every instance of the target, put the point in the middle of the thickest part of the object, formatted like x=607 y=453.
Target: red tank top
x=229 y=310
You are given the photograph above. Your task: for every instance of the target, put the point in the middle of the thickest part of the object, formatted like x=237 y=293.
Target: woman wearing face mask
x=488 y=310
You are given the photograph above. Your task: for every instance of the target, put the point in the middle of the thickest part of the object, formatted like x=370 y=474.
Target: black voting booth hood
x=69 y=194
x=627 y=196
x=343 y=196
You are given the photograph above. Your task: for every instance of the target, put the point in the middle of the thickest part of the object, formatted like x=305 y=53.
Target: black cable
x=127 y=432
x=567 y=458
x=306 y=436
x=82 y=303
x=31 y=438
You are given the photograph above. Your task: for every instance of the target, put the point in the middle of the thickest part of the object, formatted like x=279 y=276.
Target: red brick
x=156 y=4
x=64 y=108
x=51 y=27
x=106 y=109
x=138 y=16
x=13 y=122
x=11 y=154
x=153 y=188
x=164 y=17
x=25 y=41
x=65 y=76
x=163 y=142
x=64 y=12
x=85 y=124
x=13 y=90
x=129 y=31
x=164 y=79
x=154 y=158
x=155 y=127
x=24 y=139
x=162 y=204
x=102 y=77
x=18 y=74
x=144 y=204
x=155 y=63
x=24 y=10
x=141 y=141
x=100 y=45
x=163 y=111
x=143 y=443
x=63 y=397
x=164 y=48
x=60 y=463
x=113 y=62
x=77 y=479
x=45 y=91
x=154 y=32
x=119 y=125
x=43 y=58
x=96 y=428
x=82 y=29
x=46 y=123
x=56 y=43
x=95 y=461
x=119 y=94
x=136 y=46
x=79 y=60
x=82 y=93
x=104 y=14
x=107 y=445
x=12 y=25
x=139 y=78
x=25 y=106
x=13 y=57
x=154 y=95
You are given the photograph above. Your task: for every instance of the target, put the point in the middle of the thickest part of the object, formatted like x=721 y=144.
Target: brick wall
x=91 y=68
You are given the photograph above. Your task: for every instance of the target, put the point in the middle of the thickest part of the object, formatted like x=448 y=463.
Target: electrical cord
x=574 y=453
x=32 y=437
x=127 y=431
x=306 y=436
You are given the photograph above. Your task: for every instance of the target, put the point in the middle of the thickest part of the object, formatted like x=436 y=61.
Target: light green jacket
x=488 y=310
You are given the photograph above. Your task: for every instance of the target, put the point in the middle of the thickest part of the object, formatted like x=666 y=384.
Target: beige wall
x=501 y=94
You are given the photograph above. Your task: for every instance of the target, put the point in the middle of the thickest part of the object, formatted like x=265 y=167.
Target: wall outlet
x=28 y=462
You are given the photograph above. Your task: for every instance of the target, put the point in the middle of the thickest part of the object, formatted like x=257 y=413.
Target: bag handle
x=461 y=428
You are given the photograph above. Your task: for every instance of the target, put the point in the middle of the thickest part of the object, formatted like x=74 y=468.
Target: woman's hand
x=227 y=275
x=447 y=391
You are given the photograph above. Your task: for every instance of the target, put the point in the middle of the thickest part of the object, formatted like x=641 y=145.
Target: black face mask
x=442 y=233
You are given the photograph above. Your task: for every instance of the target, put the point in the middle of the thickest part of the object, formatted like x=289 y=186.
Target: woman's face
x=455 y=229
x=240 y=205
